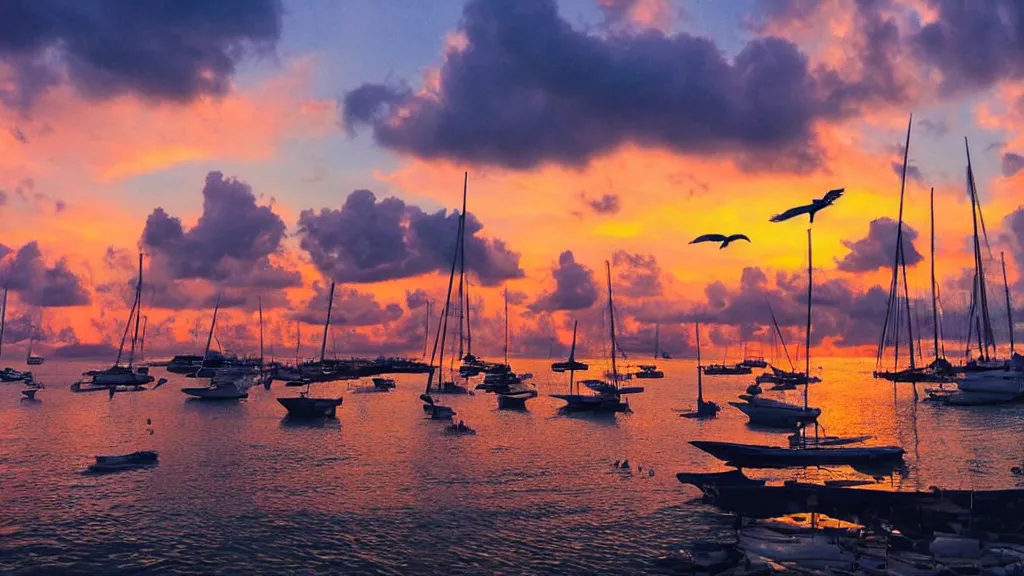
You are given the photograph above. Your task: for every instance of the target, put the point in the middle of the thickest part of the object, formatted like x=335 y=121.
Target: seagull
x=725 y=240
x=812 y=208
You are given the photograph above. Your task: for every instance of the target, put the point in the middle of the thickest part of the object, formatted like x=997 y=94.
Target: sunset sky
x=255 y=149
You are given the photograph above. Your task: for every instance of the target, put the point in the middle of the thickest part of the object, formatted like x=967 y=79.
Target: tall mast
x=572 y=356
x=463 y=296
x=142 y=340
x=298 y=341
x=898 y=259
x=259 y=303
x=426 y=328
x=807 y=345
x=3 y=317
x=506 y=325
x=782 y=338
x=138 y=313
x=1009 y=308
x=906 y=298
x=979 y=266
x=657 y=338
x=213 y=323
x=611 y=325
x=327 y=324
x=442 y=322
x=935 y=308
x=700 y=383
x=469 y=325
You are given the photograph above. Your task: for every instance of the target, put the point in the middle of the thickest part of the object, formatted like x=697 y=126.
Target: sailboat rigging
x=305 y=406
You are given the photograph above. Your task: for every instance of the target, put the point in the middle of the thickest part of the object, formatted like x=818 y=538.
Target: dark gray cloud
x=351 y=308
x=18 y=135
x=935 y=128
x=509 y=99
x=606 y=204
x=877 y=249
x=3 y=198
x=417 y=298
x=173 y=51
x=913 y=172
x=973 y=44
x=369 y=241
x=21 y=327
x=230 y=244
x=80 y=350
x=37 y=284
x=575 y=288
x=1012 y=163
x=637 y=275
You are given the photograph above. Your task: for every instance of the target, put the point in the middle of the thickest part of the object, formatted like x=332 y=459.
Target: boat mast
x=657 y=339
x=469 y=327
x=898 y=259
x=138 y=313
x=1009 y=308
x=935 y=308
x=463 y=292
x=506 y=326
x=298 y=341
x=142 y=340
x=700 y=370
x=327 y=325
x=213 y=323
x=611 y=324
x=259 y=304
x=572 y=356
x=3 y=317
x=782 y=338
x=807 y=345
x=979 y=266
x=426 y=327
x=442 y=321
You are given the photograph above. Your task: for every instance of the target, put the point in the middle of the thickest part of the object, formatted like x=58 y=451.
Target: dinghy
x=123 y=462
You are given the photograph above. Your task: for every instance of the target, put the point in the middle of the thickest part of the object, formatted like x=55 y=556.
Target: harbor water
x=241 y=490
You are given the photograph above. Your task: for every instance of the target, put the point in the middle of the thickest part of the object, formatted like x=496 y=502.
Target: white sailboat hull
x=993 y=382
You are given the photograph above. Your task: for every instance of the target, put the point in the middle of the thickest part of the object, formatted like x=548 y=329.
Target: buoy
x=148 y=422
x=650 y=472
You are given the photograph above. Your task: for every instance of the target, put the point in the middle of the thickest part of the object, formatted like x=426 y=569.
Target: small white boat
x=1006 y=382
x=225 y=385
x=775 y=413
x=11 y=375
x=131 y=461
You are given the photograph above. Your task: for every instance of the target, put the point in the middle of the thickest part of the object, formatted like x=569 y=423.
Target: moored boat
x=124 y=462
x=760 y=456
x=305 y=406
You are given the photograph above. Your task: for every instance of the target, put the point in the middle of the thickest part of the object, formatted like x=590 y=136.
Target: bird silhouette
x=725 y=240
x=812 y=208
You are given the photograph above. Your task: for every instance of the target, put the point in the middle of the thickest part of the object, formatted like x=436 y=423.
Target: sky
x=256 y=150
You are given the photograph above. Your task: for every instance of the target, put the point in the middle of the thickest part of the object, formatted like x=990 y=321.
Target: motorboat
x=131 y=461
x=515 y=396
x=436 y=411
x=569 y=365
x=31 y=386
x=118 y=375
x=185 y=364
x=11 y=375
x=760 y=456
x=648 y=371
x=223 y=386
x=384 y=384
x=304 y=406
x=33 y=360
x=775 y=413
x=1005 y=381
x=726 y=370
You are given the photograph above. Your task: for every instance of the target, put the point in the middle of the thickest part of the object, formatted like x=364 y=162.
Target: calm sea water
x=238 y=490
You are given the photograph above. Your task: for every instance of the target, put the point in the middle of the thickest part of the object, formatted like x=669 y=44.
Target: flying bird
x=812 y=208
x=725 y=240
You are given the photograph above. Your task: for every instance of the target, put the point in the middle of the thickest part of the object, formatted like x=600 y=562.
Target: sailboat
x=986 y=379
x=571 y=365
x=305 y=406
x=118 y=376
x=650 y=371
x=516 y=391
x=30 y=358
x=705 y=409
x=607 y=394
x=228 y=383
x=8 y=374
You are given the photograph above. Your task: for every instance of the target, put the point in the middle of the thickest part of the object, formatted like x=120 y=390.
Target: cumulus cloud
x=606 y=204
x=351 y=308
x=1012 y=163
x=637 y=275
x=1013 y=225
x=369 y=241
x=37 y=284
x=417 y=298
x=575 y=288
x=175 y=51
x=878 y=248
x=506 y=98
x=230 y=245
